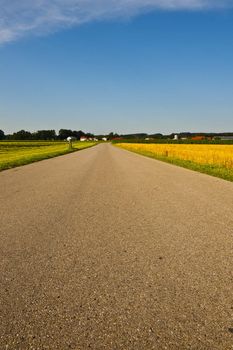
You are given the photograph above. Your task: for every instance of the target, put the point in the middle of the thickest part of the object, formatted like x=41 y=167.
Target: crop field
x=16 y=153
x=216 y=160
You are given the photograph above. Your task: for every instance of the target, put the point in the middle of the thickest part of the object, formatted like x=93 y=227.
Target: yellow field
x=204 y=155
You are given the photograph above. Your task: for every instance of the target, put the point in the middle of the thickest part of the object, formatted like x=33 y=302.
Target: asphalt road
x=106 y=249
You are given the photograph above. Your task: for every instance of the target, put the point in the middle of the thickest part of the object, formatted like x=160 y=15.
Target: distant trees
x=2 y=135
x=21 y=135
x=89 y=135
x=135 y=136
x=45 y=135
x=38 y=135
x=156 y=136
x=64 y=133
x=112 y=136
x=78 y=134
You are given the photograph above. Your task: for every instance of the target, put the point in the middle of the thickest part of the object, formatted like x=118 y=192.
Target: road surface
x=106 y=249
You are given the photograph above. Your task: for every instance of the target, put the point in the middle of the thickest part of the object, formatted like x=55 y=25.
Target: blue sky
x=101 y=67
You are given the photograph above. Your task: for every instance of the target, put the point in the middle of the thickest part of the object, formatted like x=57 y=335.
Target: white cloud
x=25 y=17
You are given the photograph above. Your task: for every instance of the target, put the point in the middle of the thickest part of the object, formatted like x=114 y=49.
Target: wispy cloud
x=34 y=17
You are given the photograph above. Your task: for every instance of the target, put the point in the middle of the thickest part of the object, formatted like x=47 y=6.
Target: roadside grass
x=17 y=153
x=215 y=170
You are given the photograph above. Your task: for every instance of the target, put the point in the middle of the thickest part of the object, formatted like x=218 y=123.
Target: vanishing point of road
x=106 y=249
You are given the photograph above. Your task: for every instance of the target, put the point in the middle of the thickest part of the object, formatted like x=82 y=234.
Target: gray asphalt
x=106 y=249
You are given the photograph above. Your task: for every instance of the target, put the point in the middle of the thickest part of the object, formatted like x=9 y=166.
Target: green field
x=16 y=153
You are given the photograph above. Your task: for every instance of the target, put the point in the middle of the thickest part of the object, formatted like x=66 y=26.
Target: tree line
x=44 y=135
x=64 y=133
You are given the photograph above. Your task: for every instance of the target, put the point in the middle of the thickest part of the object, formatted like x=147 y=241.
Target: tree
x=64 y=133
x=156 y=136
x=22 y=135
x=112 y=136
x=78 y=134
x=45 y=135
x=89 y=135
x=2 y=135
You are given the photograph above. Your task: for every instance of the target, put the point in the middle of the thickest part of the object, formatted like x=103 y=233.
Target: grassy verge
x=213 y=170
x=13 y=154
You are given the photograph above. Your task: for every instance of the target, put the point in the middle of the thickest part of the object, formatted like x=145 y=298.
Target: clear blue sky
x=159 y=71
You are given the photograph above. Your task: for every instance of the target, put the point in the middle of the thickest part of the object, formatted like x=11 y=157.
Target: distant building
x=83 y=138
x=198 y=138
x=176 y=137
x=117 y=138
x=105 y=139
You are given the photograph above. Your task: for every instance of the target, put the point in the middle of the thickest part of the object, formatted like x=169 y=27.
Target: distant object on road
x=105 y=139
